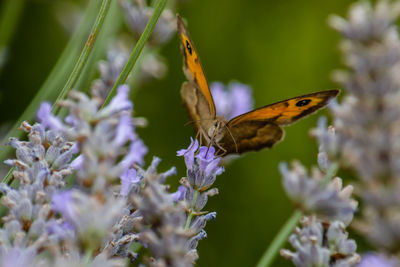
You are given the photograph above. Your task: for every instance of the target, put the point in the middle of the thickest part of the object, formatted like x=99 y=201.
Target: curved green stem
x=138 y=49
x=189 y=218
x=280 y=239
x=105 y=6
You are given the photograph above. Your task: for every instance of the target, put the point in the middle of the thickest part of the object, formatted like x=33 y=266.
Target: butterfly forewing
x=192 y=66
x=197 y=107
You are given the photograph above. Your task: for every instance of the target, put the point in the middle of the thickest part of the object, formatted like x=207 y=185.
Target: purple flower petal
x=62 y=203
x=71 y=120
x=232 y=100
x=121 y=100
x=77 y=163
x=124 y=130
x=377 y=260
x=241 y=99
x=206 y=155
x=18 y=257
x=137 y=151
x=221 y=99
x=213 y=168
x=47 y=119
x=179 y=194
x=128 y=178
x=189 y=153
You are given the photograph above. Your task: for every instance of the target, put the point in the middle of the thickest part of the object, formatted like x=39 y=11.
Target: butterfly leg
x=224 y=151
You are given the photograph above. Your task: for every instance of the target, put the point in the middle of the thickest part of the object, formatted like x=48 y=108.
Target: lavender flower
x=175 y=219
x=378 y=260
x=321 y=244
x=138 y=15
x=311 y=196
x=117 y=56
x=366 y=121
x=232 y=100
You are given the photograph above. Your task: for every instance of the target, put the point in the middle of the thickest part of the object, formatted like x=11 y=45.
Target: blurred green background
x=280 y=48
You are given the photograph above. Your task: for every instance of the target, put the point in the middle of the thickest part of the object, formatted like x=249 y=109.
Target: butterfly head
x=217 y=131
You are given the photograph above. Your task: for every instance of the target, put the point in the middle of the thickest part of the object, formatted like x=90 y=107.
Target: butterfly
x=254 y=130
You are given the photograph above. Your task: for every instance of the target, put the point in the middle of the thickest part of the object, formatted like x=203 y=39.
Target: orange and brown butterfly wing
x=193 y=69
x=197 y=108
x=250 y=136
x=260 y=128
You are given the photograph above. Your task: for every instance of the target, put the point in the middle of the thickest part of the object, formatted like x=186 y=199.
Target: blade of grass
x=279 y=240
x=83 y=57
x=113 y=22
x=56 y=78
x=138 y=49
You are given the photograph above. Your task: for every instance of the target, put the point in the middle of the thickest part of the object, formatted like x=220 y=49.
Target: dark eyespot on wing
x=303 y=102
x=189 y=47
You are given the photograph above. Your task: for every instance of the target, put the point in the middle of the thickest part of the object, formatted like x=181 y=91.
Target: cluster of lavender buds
x=110 y=202
x=365 y=134
x=139 y=13
x=322 y=240
x=364 y=138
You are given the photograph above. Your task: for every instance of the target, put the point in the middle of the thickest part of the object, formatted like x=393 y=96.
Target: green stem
x=55 y=79
x=191 y=213
x=11 y=12
x=280 y=239
x=138 y=49
x=105 y=6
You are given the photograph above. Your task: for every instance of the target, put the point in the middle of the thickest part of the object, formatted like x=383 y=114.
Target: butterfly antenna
x=233 y=138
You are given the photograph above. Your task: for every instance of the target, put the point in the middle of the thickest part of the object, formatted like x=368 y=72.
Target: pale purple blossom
x=125 y=130
x=128 y=178
x=17 y=257
x=119 y=103
x=62 y=202
x=137 y=151
x=78 y=162
x=179 y=194
x=205 y=156
x=232 y=100
x=189 y=153
x=378 y=260
x=47 y=119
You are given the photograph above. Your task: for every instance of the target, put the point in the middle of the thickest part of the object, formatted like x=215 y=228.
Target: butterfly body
x=254 y=130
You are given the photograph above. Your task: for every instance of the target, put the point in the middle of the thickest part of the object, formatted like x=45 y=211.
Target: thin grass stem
x=138 y=49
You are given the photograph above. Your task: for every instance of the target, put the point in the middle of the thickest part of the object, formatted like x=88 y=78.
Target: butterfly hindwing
x=250 y=135
x=192 y=66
